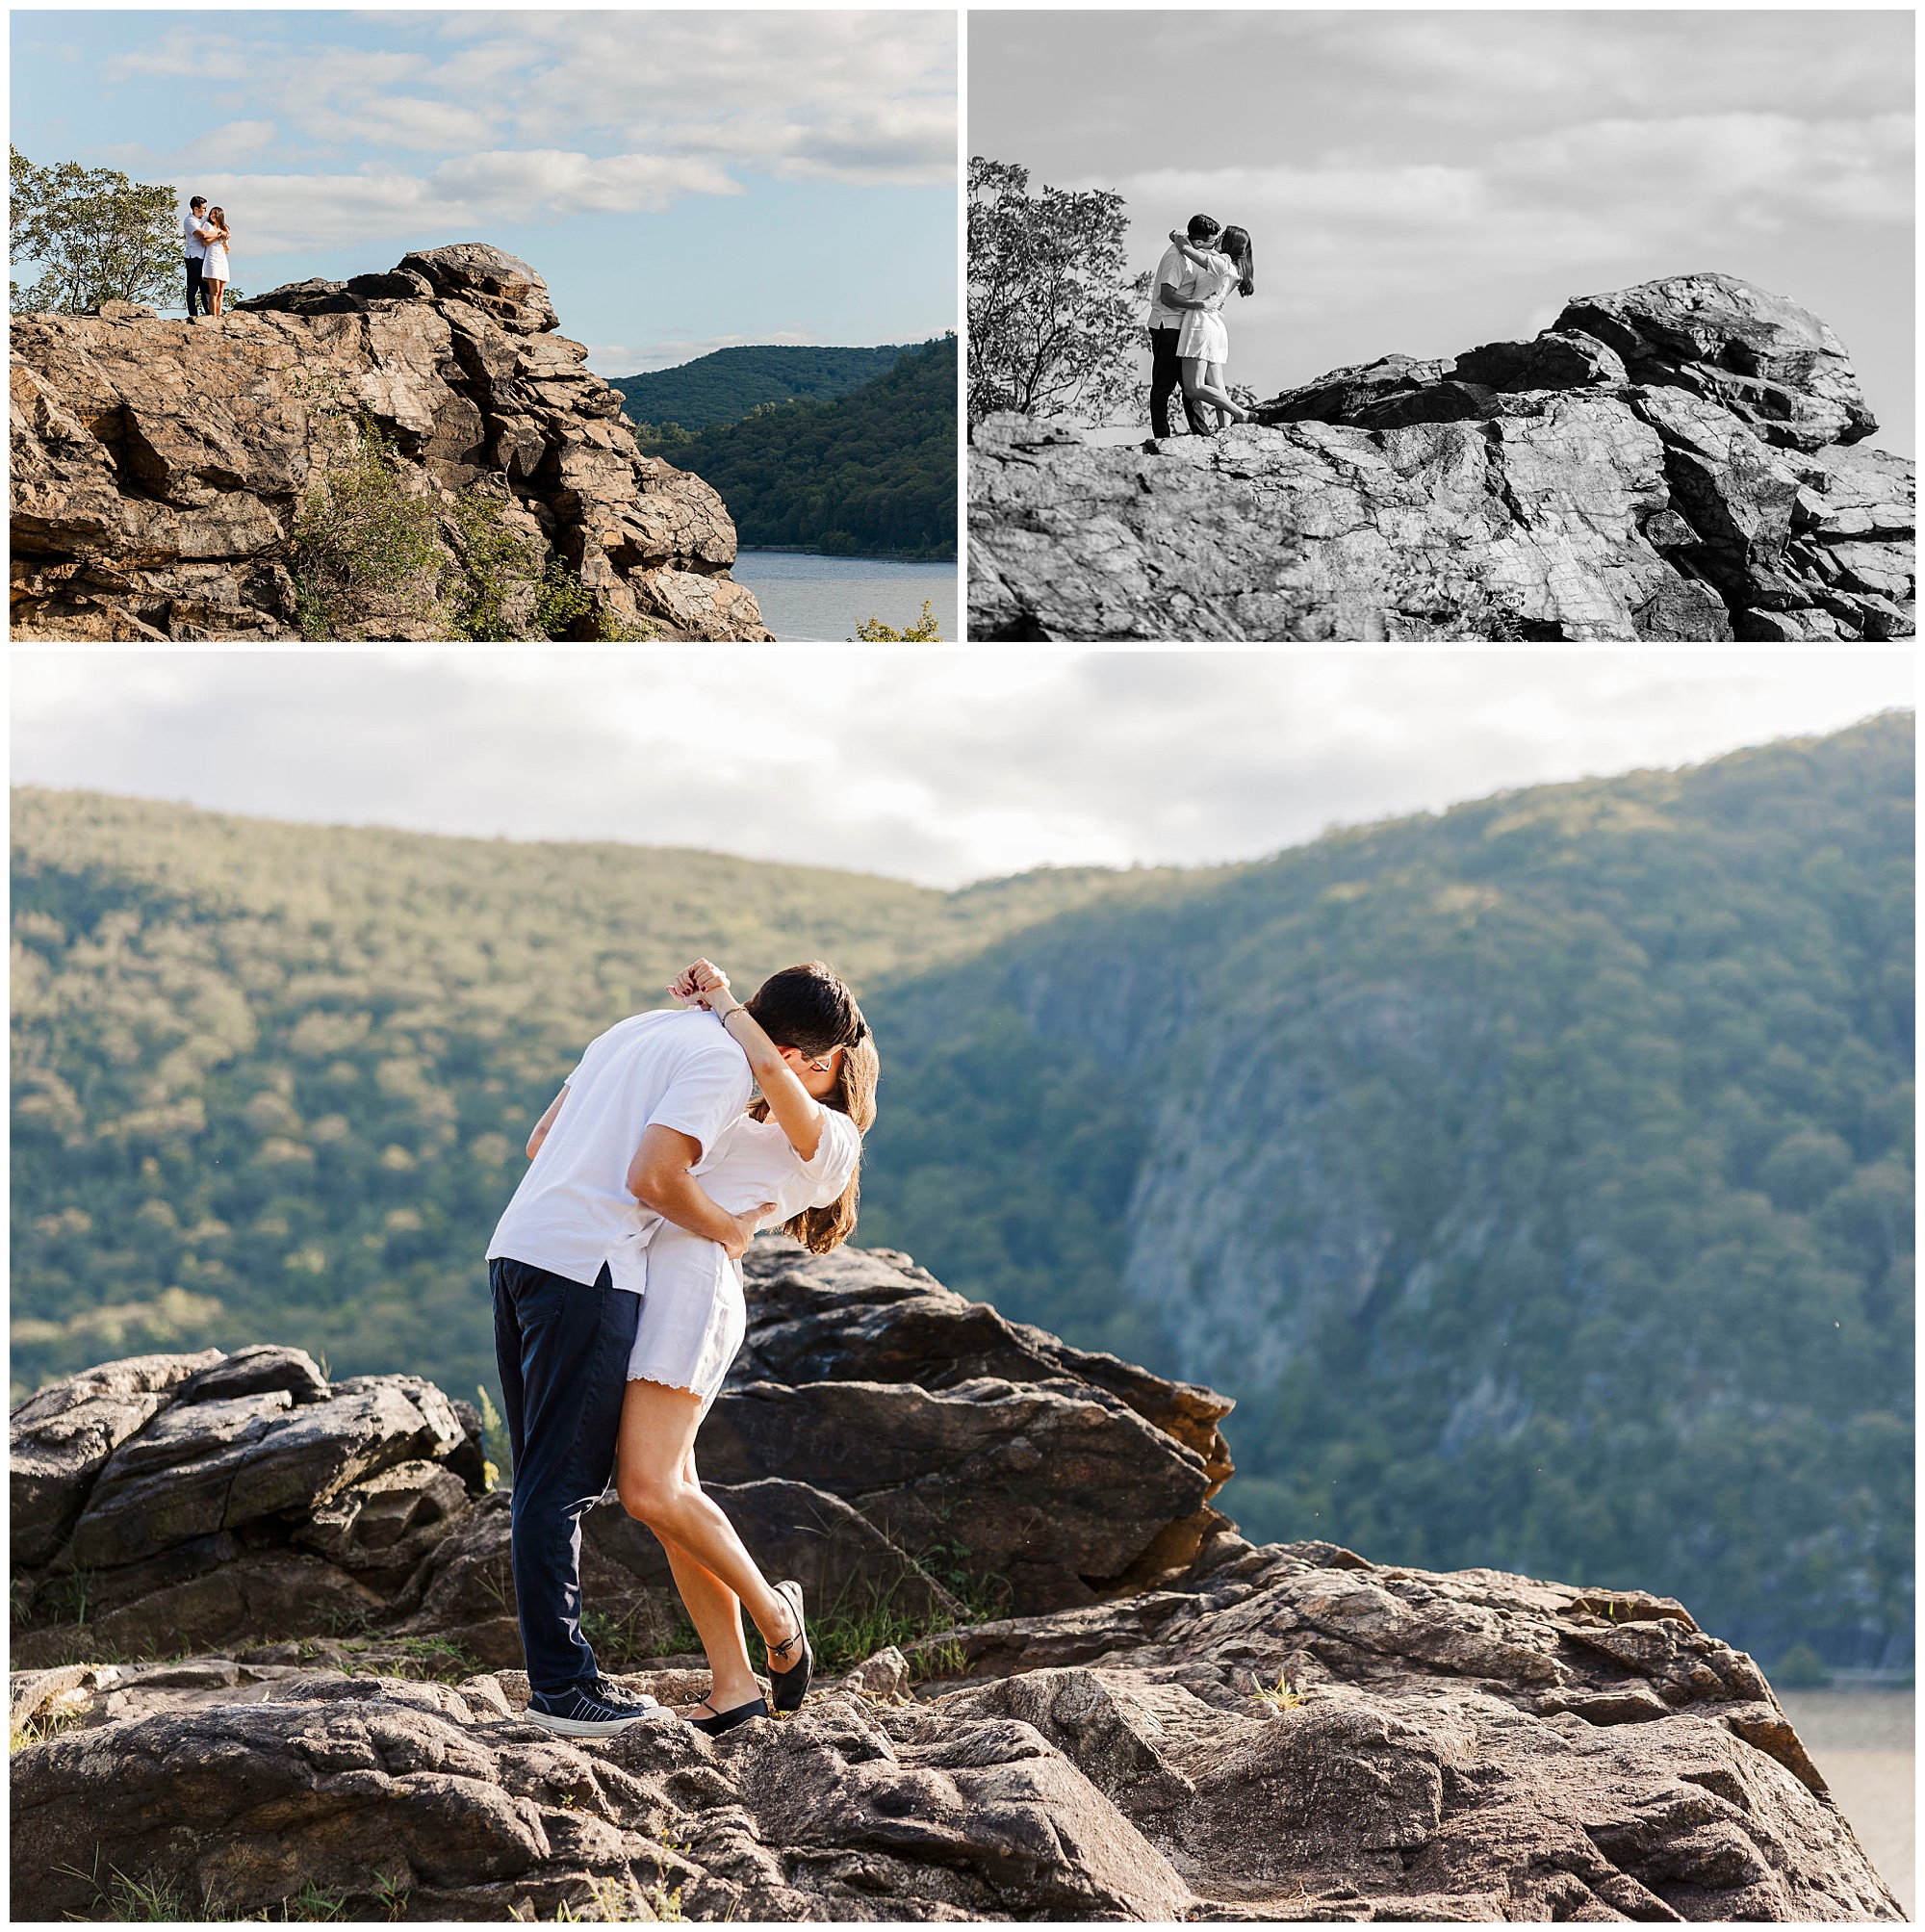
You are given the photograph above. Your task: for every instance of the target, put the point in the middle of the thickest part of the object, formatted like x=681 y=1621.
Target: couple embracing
x=617 y=1281
x=1189 y=339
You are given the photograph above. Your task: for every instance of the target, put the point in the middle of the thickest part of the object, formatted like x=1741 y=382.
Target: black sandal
x=791 y=1685
x=727 y=1720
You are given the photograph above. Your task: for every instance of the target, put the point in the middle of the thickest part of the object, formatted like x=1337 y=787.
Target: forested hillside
x=872 y=472
x=1538 y=1175
x=723 y=386
x=274 y=1080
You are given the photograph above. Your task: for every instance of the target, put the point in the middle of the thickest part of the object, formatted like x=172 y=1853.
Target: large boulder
x=1058 y=1493
x=179 y=1501
x=202 y=1467
x=62 y=1436
x=160 y=467
x=1672 y=462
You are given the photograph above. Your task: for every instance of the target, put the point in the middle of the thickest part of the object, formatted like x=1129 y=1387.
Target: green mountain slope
x=1538 y=1176
x=723 y=386
x=872 y=472
x=274 y=1080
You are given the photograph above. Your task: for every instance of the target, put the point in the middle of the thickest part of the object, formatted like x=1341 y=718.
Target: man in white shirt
x=195 y=235
x=1172 y=296
x=648 y=1100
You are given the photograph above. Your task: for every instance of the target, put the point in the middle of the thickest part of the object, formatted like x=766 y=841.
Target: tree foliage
x=870 y=473
x=1054 y=317
x=726 y=385
x=95 y=235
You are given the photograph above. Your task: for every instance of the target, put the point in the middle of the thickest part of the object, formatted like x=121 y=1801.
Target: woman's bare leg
x=653 y=1469
x=717 y=1612
x=1202 y=383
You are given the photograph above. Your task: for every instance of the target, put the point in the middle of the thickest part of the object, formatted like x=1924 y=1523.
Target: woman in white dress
x=794 y=1156
x=1205 y=344
x=213 y=269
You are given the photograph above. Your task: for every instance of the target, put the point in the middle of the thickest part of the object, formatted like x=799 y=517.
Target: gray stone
x=255 y=1372
x=61 y=1437
x=1046 y=1485
x=159 y=469
x=1635 y=472
x=216 y=1465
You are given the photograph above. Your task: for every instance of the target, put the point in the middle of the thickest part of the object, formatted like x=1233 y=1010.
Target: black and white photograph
x=1527 y=326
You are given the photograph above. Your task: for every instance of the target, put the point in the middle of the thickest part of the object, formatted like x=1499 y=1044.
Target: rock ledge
x=159 y=466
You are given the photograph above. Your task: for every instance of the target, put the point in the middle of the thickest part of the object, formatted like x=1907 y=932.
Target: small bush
x=497 y=1454
x=491 y=559
x=873 y=630
x=560 y=598
x=361 y=531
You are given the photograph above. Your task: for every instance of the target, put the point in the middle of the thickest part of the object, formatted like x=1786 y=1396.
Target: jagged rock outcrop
x=1187 y=1729
x=1678 y=461
x=159 y=467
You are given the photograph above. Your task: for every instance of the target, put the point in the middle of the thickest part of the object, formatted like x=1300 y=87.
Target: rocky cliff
x=1682 y=460
x=1167 y=1723
x=161 y=470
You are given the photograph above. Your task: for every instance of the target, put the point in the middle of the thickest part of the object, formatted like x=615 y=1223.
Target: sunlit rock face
x=159 y=467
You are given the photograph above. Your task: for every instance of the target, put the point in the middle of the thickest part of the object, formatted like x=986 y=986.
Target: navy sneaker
x=592 y=1711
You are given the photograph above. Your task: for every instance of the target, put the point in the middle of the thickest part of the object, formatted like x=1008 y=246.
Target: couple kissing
x=1189 y=339
x=617 y=1281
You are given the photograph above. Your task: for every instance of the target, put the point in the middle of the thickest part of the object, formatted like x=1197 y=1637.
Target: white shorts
x=693 y=1316
x=1205 y=334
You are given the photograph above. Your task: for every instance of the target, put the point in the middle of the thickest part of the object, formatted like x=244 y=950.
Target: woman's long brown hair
x=820 y=1229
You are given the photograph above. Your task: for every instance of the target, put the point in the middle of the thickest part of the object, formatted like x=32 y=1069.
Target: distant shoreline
x=842 y=555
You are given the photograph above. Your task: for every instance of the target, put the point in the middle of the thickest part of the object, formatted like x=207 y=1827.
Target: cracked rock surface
x=159 y=466
x=1170 y=1723
x=1425 y=1748
x=1678 y=461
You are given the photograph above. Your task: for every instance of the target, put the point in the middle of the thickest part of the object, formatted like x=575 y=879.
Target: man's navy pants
x=562 y=1349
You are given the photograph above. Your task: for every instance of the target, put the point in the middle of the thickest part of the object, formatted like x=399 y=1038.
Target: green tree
x=95 y=235
x=1053 y=320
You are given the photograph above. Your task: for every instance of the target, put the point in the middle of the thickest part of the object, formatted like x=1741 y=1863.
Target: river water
x=1861 y=1740
x=820 y=600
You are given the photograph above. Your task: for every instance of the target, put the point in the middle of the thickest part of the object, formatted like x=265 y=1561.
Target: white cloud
x=1675 y=193
x=287 y=214
x=860 y=97
x=940 y=766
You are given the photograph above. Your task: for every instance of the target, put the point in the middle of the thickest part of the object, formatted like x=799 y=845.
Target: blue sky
x=683 y=181
x=1427 y=181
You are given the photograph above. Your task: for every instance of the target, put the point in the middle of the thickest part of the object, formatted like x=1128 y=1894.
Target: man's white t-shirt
x=1175 y=270
x=573 y=1211
x=197 y=248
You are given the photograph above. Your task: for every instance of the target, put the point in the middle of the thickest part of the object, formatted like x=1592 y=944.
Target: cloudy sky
x=683 y=180
x=1425 y=182
x=939 y=768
